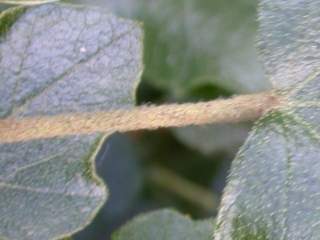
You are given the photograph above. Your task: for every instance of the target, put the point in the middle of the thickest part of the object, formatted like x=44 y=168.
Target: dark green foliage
x=9 y=17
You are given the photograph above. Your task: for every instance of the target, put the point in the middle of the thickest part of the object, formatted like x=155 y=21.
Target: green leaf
x=195 y=42
x=165 y=225
x=273 y=189
x=289 y=40
x=190 y=42
x=57 y=59
x=274 y=185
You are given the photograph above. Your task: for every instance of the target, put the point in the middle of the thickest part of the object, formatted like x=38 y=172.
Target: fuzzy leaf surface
x=57 y=59
x=273 y=189
x=289 y=40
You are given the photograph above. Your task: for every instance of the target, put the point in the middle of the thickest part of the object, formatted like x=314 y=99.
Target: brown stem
x=236 y=109
x=26 y=2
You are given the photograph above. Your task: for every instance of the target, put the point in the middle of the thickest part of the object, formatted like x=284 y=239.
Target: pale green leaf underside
x=59 y=59
x=165 y=225
x=274 y=186
x=289 y=40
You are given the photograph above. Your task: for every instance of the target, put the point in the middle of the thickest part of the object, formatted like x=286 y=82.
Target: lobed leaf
x=117 y=164
x=57 y=59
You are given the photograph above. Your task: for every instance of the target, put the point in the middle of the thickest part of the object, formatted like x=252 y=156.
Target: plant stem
x=191 y=192
x=27 y=2
x=236 y=109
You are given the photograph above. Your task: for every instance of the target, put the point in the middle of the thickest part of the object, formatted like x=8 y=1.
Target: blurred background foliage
x=195 y=50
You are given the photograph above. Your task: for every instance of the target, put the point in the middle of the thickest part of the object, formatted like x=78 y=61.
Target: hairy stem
x=236 y=109
x=27 y=2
